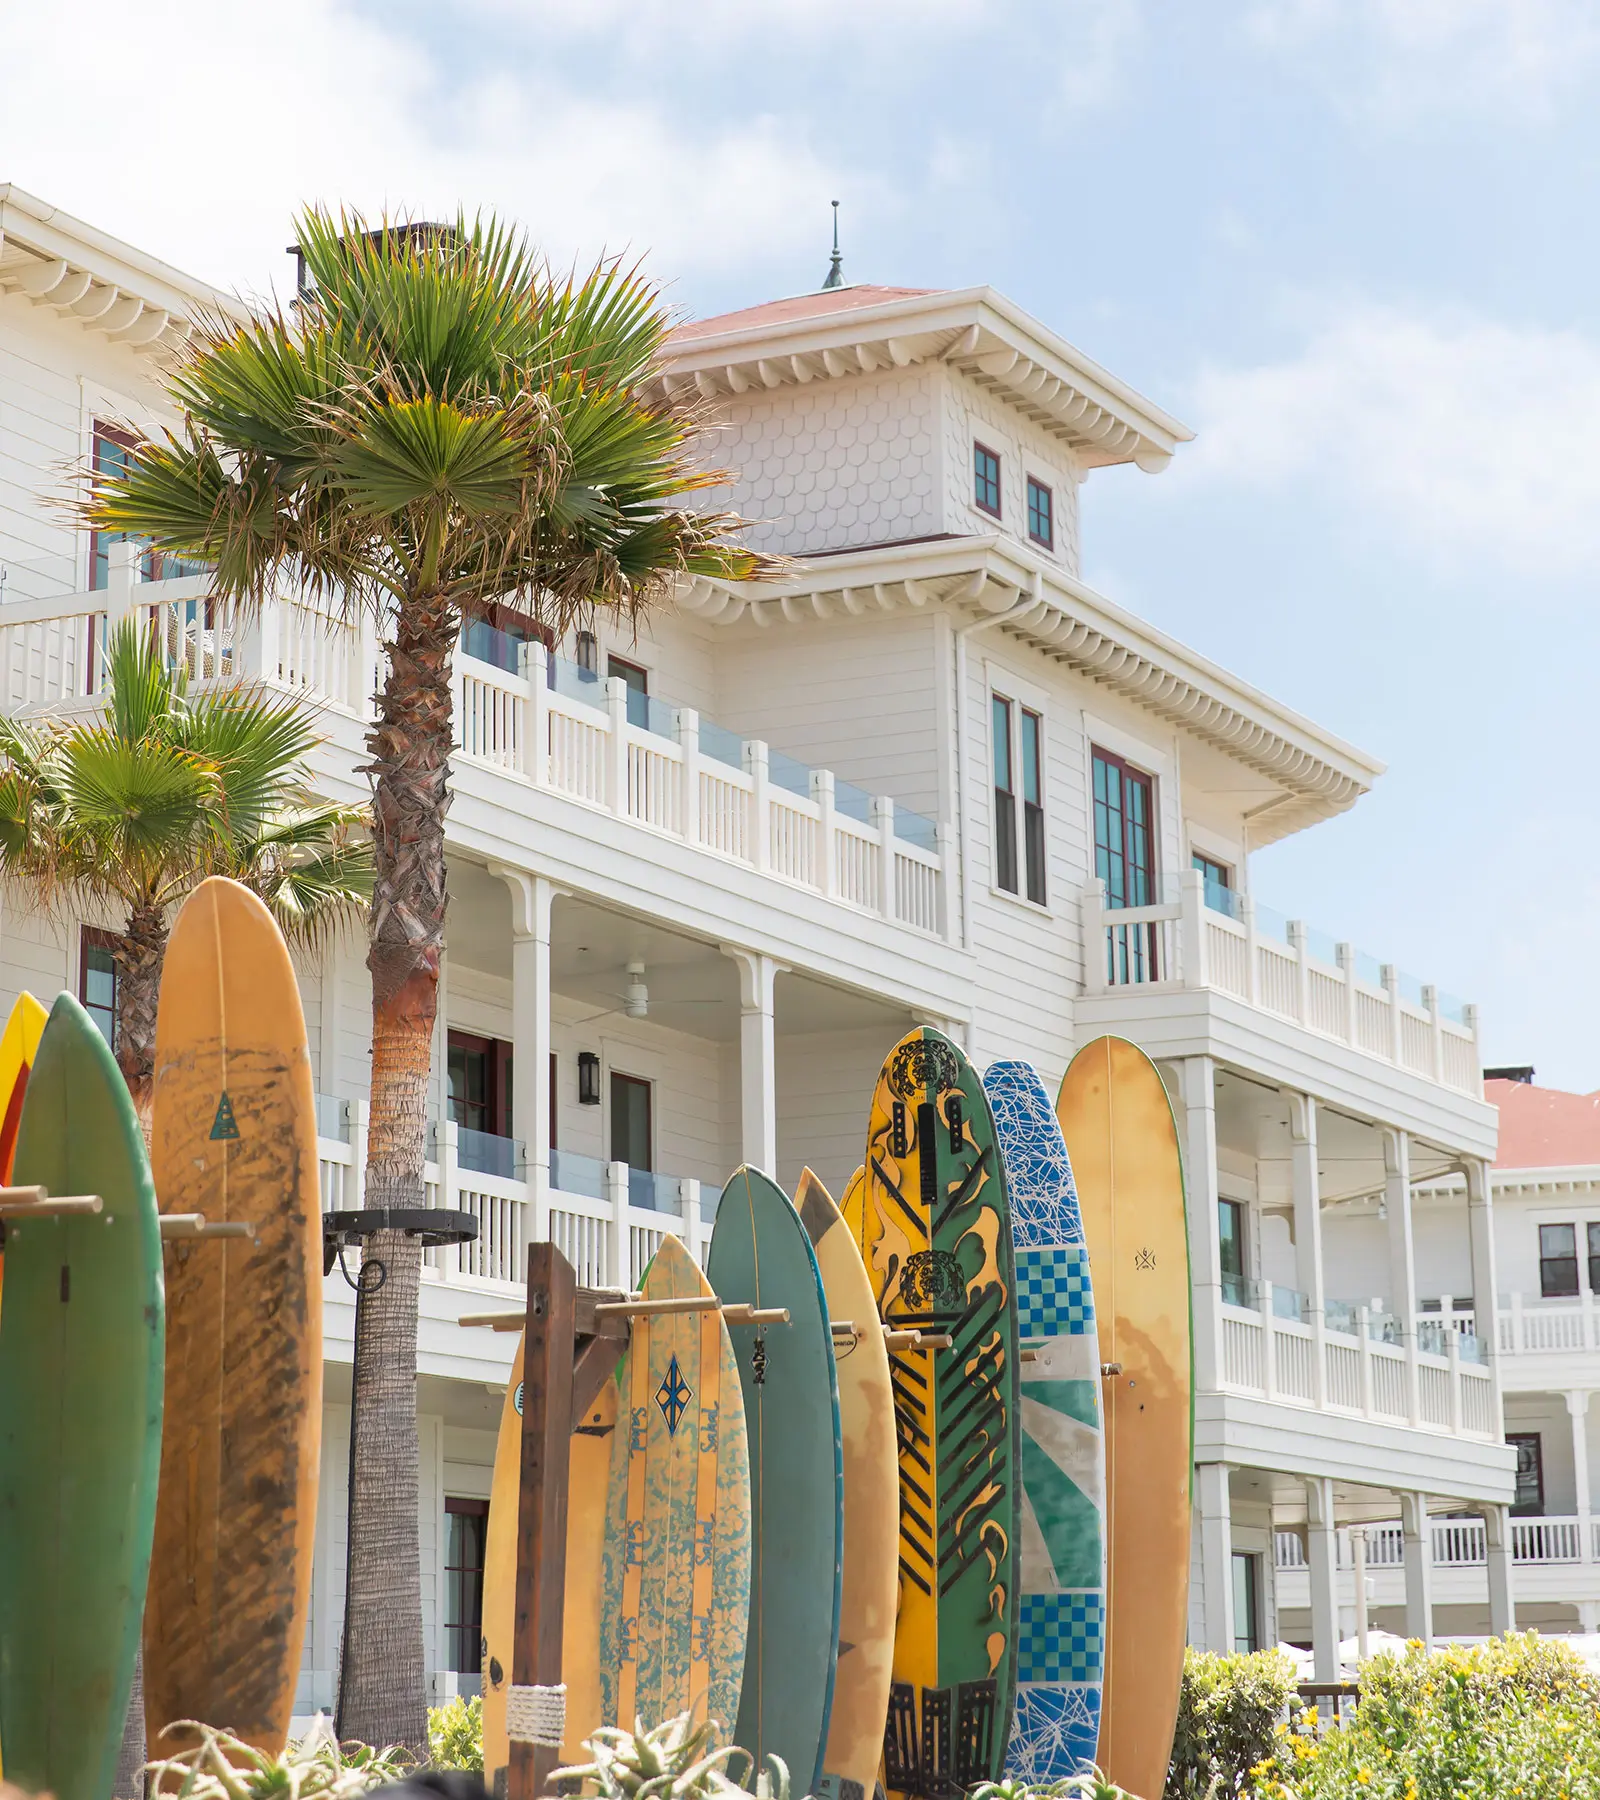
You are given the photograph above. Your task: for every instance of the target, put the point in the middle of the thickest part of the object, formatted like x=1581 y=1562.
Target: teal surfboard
x=82 y=1343
x=1061 y=1610
x=761 y=1253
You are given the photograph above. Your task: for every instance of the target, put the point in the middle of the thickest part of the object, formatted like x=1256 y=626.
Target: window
x=1124 y=859
x=1246 y=1602
x=638 y=685
x=1593 y=1230
x=1558 y=1261
x=110 y=457
x=985 y=480
x=1023 y=755
x=1230 y=1237
x=630 y=1122
x=98 y=979
x=479 y=1073
x=466 y=1536
x=1529 y=1493
x=1041 y=514
x=1219 y=883
x=496 y=636
x=555 y=1090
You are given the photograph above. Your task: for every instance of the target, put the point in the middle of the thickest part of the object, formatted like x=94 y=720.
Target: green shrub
x=1228 y=1714
x=1516 y=1717
x=455 y=1734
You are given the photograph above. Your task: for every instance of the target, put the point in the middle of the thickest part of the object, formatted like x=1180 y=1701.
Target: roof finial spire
x=836 y=265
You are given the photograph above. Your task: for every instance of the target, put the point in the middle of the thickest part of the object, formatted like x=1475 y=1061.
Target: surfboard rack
x=736 y=1312
x=35 y=1203
x=1109 y=1369
x=917 y=1340
x=190 y=1226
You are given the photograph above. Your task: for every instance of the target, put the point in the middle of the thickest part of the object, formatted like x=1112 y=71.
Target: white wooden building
x=700 y=881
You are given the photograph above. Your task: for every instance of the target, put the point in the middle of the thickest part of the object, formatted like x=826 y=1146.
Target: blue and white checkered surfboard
x=1061 y=1654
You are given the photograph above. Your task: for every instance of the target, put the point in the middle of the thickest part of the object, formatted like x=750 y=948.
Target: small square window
x=985 y=480
x=1220 y=896
x=1041 y=514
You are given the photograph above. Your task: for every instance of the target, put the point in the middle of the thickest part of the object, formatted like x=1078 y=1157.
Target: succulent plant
x=1092 y=1785
x=316 y=1767
x=674 y=1761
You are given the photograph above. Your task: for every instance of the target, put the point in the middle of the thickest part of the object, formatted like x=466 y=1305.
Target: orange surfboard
x=1120 y=1134
x=235 y=1138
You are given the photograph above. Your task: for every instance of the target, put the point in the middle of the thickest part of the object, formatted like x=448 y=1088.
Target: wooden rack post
x=547 y=1347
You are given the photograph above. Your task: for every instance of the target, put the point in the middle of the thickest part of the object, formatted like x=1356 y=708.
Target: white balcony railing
x=1329 y=988
x=1535 y=1327
x=1355 y=1373
x=553 y=728
x=592 y=1211
x=1460 y=1544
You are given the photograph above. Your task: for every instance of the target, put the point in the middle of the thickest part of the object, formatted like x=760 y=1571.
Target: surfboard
x=869 y=1583
x=19 y=1044
x=234 y=1137
x=934 y=1228
x=587 y=1472
x=81 y=1344
x=761 y=1254
x=1061 y=1612
x=1119 y=1129
x=675 y=1567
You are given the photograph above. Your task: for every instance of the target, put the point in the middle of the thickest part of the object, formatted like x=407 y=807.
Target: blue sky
x=1352 y=242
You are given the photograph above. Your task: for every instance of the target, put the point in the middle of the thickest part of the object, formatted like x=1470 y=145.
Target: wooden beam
x=542 y=1510
x=592 y=1367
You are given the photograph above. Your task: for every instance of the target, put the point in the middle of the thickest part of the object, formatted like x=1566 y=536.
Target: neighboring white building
x=700 y=882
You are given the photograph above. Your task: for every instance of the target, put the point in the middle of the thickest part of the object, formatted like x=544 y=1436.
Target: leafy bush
x=1513 y=1717
x=1228 y=1714
x=316 y=1767
x=674 y=1762
x=1091 y=1786
x=455 y=1734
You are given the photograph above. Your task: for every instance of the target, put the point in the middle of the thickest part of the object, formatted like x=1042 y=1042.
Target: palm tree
x=439 y=423
x=135 y=808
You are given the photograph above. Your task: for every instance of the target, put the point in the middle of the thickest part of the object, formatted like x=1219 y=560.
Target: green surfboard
x=761 y=1253
x=82 y=1342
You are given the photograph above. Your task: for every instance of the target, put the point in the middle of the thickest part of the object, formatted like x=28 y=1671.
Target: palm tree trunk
x=139 y=957
x=382 y=1698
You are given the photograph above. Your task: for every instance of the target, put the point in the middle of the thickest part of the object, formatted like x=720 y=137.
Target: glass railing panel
x=855 y=803
x=1240 y=1290
x=489 y=644
x=1452 y=1009
x=658 y=717
x=1369 y=970
x=1383 y=1327
x=721 y=745
x=912 y=828
x=1271 y=923
x=332 y=1121
x=1289 y=1303
x=1341 y=1316
x=655 y=1193
x=571 y=1173
x=1471 y=1348
x=1410 y=989
x=574 y=682
x=1225 y=900
x=1321 y=945
x=485 y=1153
x=789 y=773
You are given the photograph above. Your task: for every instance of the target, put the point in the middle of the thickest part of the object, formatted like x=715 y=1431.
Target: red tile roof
x=1543 y=1128
x=799 y=306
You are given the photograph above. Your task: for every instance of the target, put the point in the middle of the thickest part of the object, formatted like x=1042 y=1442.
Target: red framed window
x=1125 y=859
x=98 y=978
x=637 y=682
x=479 y=1074
x=1005 y=796
x=109 y=456
x=466 y=1540
x=1018 y=734
x=1041 y=514
x=986 y=480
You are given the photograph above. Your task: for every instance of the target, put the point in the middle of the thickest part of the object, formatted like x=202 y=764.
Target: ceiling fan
x=635 y=996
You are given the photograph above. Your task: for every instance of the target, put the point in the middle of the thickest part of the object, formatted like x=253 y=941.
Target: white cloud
x=1468 y=441
x=1097 y=40
x=1406 y=59
x=199 y=132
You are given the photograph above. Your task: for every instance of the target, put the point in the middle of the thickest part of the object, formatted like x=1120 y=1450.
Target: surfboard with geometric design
x=1061 y=1620
x=935 y=1234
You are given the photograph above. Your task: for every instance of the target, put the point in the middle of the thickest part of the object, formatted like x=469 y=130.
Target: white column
x=1322 y=1563
x=1418 y=1535
x=1216 y=1555
x=1205 y=1251
x=758 y=1085
x=1308 y=1231
x=532 y=897
x=1485 y=1279
x=1358 y=1573
x=1578 y=1413
x=1402 y=1257
x=1497 y=1555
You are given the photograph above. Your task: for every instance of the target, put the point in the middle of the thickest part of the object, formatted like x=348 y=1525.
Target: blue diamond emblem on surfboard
x=673 y=1396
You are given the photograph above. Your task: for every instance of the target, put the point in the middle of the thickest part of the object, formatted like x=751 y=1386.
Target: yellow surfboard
x=871 y=1583
x=587 y=1471
x=1119 y=1130
x=19 y=1044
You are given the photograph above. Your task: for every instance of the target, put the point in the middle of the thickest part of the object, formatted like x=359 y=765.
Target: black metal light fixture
x=588 y=1078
